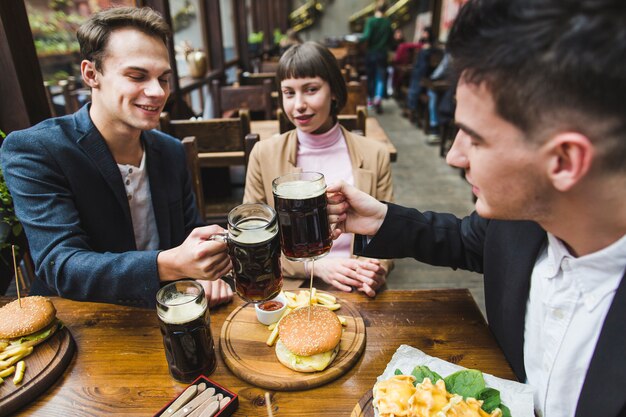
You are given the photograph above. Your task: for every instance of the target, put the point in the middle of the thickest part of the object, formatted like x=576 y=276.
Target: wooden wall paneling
x=272 y=21
x=214 y=27
x=435 y=7
x=257 y=13
x=23 y=100
x=241 y=34
x=284 y=7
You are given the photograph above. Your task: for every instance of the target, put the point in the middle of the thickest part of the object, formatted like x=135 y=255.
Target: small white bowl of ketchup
x=268 y=312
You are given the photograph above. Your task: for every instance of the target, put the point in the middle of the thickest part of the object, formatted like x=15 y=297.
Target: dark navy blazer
x=69 y=195
x=505 y=253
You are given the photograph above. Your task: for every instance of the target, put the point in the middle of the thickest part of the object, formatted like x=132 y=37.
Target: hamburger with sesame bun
x=308 y=345
x=29 y=325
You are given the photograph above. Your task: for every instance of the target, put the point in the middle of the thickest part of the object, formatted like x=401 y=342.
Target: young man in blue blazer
x=106 y=201
x=542 y=141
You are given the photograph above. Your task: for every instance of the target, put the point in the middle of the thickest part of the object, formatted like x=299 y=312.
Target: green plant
x=255 y=37
x=7 y=213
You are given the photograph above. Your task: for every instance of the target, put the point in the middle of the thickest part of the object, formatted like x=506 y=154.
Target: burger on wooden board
x=29 y=325
x=308 y=345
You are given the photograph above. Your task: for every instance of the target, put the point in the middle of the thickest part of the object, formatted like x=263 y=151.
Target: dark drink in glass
x=255 y=254
x=300 y=201
x=254 y=249
x=185 y=326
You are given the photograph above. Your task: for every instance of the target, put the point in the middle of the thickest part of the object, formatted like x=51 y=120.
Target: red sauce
x=271 y=305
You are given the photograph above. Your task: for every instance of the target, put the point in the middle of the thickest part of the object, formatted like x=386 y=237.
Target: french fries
x=7 y=372
x=10 y=355
x=274 y=335
x=301 y=299
x=19 y=372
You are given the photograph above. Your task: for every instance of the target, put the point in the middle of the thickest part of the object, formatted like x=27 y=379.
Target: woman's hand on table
x=217 y=292
x=346 y=274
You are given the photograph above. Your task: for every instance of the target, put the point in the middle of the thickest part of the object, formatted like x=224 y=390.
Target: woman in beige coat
x=312 y=91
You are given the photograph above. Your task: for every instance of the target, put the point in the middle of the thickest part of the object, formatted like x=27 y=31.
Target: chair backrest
x=257 y=98
x=190 y=144
x=357 y=96
x=216 y=210
x=212 y=135
x=256 y=78
x=353 y=122
x=268 y=66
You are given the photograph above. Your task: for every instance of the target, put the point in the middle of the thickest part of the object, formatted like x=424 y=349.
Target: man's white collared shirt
x=568 y=302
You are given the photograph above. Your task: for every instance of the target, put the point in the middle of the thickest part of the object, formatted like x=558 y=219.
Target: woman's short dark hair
x=94 y=34
x=310 y=60
x=550 y=65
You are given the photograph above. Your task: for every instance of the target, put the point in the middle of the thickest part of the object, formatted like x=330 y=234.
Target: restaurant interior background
x=40 y=63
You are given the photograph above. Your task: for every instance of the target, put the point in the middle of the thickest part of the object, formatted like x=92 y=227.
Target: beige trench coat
x=276 y=156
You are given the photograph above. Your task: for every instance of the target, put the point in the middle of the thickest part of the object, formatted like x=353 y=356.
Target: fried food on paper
x=397 y=397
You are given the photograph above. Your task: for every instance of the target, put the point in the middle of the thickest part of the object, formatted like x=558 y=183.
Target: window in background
x=54 y=24
x=188 y=32
x=228 y=38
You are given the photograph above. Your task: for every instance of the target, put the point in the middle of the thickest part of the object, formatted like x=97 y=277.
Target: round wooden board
x=242 y=343
x=364 y=407
x=43 y=367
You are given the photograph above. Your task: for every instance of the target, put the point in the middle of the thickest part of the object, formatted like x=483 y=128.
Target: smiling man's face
x=132 y=86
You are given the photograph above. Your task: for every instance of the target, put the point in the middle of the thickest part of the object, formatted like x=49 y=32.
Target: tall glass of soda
x=185 y=326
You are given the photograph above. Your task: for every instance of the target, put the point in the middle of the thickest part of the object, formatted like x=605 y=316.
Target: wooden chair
x=353 y=122
x=217 y=143
x=221 y=142
x=256 y=78
x=268 y=66
x=255 y=98
x=357 y=96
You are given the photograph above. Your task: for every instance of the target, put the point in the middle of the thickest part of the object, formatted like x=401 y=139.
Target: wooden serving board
x=242 y=344
x=365 y=406
x=43 y=367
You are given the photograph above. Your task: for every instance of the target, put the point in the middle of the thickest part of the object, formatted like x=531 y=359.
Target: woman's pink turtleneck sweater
x=328 y=153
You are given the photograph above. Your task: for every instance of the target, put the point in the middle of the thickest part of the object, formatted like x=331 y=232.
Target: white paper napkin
x=518 y=397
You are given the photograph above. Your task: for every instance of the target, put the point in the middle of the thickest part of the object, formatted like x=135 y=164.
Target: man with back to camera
x=106 y=202
x=542 y=141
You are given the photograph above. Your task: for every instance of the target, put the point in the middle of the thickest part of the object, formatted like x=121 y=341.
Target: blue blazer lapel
x=603 y=390
x=92 y=142
x=156 y=164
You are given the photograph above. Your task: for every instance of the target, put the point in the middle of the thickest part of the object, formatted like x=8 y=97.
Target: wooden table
x=268 y=128
x=120 y=368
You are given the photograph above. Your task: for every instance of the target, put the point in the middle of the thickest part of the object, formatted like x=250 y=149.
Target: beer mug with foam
x=185 y=326
x=254 y=250
x=300 y=201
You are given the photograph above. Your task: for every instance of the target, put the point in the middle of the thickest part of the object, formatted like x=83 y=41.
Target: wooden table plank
x=268 y=128
x=120 y=368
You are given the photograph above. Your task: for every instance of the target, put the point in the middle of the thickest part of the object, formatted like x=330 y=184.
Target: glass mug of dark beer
x=254 y=249
x=300 y=201
x=185 y=326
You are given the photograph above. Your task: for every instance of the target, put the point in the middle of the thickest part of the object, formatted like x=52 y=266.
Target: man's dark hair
x=311 y=59
x=94 y=34
x=551 y=65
